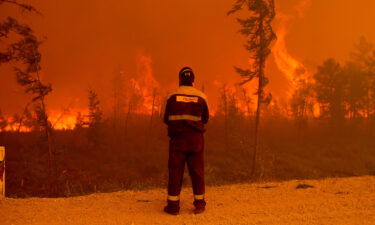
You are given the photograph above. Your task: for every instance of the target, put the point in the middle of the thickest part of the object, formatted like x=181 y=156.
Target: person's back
x=186 y=113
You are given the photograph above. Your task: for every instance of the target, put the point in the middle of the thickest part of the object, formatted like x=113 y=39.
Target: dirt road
x=329 y=201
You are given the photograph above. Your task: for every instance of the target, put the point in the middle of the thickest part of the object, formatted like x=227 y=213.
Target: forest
x=326 y=128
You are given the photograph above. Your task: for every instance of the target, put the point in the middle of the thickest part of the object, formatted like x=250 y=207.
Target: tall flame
x=291 y=67
x=143 y=86
x=145 y=83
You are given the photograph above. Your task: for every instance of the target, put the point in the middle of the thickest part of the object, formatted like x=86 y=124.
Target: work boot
x=200 y=205
x=173 y=207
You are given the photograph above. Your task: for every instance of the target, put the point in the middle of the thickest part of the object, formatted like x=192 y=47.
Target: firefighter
x=186 y=114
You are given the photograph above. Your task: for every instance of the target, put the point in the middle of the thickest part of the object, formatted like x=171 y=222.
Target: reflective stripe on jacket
x=186 y=111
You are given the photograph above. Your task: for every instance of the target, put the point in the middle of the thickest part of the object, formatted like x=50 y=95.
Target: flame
x=144 y=88
x=292 y=68
x=65 y=120
x=14 y=127
x=60 y=120
x=66 y=123
x=145 y=85
x=287 y=64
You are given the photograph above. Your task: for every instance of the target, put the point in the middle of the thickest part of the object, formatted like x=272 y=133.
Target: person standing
x=186 y=114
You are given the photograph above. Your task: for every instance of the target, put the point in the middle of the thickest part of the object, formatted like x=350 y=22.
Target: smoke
x=86 y=40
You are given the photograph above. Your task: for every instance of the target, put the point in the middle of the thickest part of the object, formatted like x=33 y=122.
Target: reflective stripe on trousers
x=184 y=117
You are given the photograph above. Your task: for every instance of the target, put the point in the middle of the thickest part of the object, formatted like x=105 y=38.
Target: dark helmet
x=186 y=76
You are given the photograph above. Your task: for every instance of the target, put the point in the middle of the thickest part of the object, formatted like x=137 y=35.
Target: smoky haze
x=86 y=42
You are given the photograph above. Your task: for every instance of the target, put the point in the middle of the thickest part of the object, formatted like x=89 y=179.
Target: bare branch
x=23 y=6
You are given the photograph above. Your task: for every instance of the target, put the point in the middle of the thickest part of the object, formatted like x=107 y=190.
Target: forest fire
x=60 y=120
x=234 y=97
x=292 y=68
x=146 y=85
x=289 y=65
x=122 y=98
x=65 y=121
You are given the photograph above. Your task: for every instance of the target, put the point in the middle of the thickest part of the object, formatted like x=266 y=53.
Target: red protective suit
x=186 y=113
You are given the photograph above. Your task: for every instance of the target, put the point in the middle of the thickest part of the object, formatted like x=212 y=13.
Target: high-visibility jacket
x=186 y=111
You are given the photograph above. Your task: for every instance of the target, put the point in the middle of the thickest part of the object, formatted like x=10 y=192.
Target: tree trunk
x=127 y=120
x=225 y=115
x=152 y=110
x=259 y=100
x=51 y=152
x=256 y=131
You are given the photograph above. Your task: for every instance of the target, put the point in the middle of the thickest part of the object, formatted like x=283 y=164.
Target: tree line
x=339 y=91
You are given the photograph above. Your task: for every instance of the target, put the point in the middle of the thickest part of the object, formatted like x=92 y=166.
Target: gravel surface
x=329 y=201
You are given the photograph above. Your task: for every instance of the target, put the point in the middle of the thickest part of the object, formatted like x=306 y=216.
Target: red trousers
x=193 y=156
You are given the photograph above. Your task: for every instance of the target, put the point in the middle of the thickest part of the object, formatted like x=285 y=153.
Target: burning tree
x=257 y=28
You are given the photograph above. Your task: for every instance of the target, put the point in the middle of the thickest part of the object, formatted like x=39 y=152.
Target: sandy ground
x=329 y=201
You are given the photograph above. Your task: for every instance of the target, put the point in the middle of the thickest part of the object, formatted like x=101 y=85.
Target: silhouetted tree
x=118 y=97
x=134 y=103
x=94 y=117
x=95 y=113
x=28 y=121
x=302 y=105
x=364 y=57
x=3 y=122
x=25 y=51
x=330 y=90
x=22 y=5
x=245 y=98
x=223 y=108
x=154 y=101
x=30 y=80
x=356 y=90
x=79 y=121
x=257 y=28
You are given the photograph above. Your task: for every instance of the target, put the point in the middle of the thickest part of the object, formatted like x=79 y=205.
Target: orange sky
x=87 y=40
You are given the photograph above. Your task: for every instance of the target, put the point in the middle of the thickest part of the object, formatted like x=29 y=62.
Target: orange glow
x=145 y=85
x=286 y=63
x=66 y=123
x=15 y=127
x=73 y=59
x=242 y=95
x=61 y=120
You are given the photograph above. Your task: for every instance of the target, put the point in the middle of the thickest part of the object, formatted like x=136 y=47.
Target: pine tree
x=3 y=122
x=364 y=56
x=94 y=117
x=302 y=105
x=257 y=28
x=118 y=82
x=329 y=87
x=26 y=52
